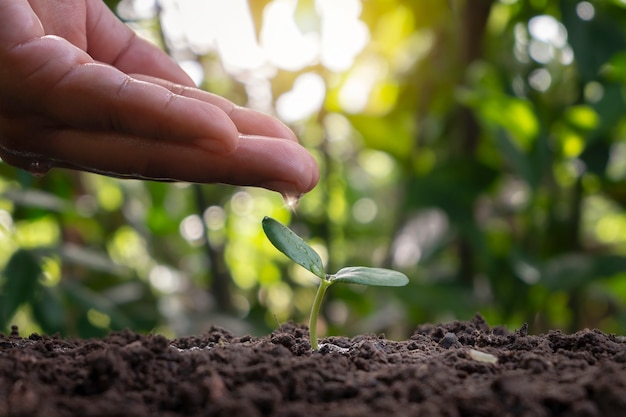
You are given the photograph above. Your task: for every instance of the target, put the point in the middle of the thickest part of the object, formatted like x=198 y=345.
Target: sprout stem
x=319 y=296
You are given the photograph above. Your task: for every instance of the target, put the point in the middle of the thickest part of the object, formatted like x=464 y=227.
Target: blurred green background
x=479 y=146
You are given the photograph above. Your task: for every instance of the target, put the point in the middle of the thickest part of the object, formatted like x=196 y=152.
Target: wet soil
x=453 y=369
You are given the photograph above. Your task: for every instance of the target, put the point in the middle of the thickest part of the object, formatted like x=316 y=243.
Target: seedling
x=301 y=253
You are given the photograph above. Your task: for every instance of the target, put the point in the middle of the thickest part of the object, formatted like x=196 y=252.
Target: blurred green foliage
x=477 y=146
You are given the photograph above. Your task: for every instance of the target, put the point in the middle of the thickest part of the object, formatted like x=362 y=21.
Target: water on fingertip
x=292 y=200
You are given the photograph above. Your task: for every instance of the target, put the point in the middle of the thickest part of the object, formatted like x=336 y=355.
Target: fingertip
x=303 y=177
x=315 y=176
x=311 y=174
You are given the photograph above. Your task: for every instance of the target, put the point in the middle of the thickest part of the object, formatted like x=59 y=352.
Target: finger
x=98 y=96
x=18 y=23
x=144 y=61
x=271 y=163
x=92 y=27
x=114 y=43
x=248 y=121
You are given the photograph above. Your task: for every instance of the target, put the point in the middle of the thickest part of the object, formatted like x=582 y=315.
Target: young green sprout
x=301 y=253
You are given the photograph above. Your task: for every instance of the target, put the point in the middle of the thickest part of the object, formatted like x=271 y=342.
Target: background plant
x=477 y=146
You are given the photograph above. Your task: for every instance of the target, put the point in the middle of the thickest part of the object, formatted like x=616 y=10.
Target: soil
x=453 y=369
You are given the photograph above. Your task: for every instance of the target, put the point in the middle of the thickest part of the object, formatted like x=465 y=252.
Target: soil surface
x=454 y=369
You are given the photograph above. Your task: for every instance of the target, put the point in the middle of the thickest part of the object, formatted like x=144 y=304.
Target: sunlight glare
x=377 y=164
x=191 y=228
x=291 y=201
x=215 y=218
x=242 y=203
x=540 y=51
x=540 y=79
x=355 y=93
x=419 y=237
x=593 y=92
x=616 y=169
x=344 y=35
x=207 y=25
x=227 y=28
x=548 y=36
x=547 y=29
x=285 y=45
x=364 y=210
x=585 y=10
x=194 y=70
x=136 y=9
x=165 y=279
x=305 y=98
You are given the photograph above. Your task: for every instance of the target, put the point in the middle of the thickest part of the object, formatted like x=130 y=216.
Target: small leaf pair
x=296 y=249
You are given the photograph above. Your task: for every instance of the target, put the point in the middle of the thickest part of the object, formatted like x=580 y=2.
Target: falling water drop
x=291 y=201
x=39 y=168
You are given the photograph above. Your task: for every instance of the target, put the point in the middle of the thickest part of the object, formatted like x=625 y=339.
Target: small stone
x=482 y=356
x=449 y=340
x=522 y=331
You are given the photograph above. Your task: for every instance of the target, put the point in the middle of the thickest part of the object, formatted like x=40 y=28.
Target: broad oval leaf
x=370 y=276
x=292 y=245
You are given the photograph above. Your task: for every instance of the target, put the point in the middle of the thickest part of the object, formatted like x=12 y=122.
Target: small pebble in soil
x=330 y=348
x=449 y=340
x=479 y=356
x=522 y=331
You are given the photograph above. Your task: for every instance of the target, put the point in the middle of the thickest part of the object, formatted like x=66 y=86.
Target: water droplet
x=291 y=201
x=39 y=168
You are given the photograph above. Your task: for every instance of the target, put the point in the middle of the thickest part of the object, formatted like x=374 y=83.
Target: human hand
x=78 y=89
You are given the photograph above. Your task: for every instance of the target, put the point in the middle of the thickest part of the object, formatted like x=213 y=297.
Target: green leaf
x=21 y=274
x=370 y=276
x=293 y=246
x=519 y=160
x=48 y=310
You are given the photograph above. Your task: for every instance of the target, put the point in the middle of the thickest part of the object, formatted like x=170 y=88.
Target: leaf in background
x=515 y=115
x=21 y=275
x=518 y=159
x=582 y=117
x=393 y=134
x=495 y=108
x=48 y=310
x=452 y=186
x=94 y=260
x=370 y=276
x=36 y=199
x=293 y=246
x=598 y=45
x=615 y=69
x=573 y=271
x=594 y=41
x=87 y=299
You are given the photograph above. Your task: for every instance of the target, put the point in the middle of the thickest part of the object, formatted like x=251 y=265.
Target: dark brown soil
x=437 y=372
